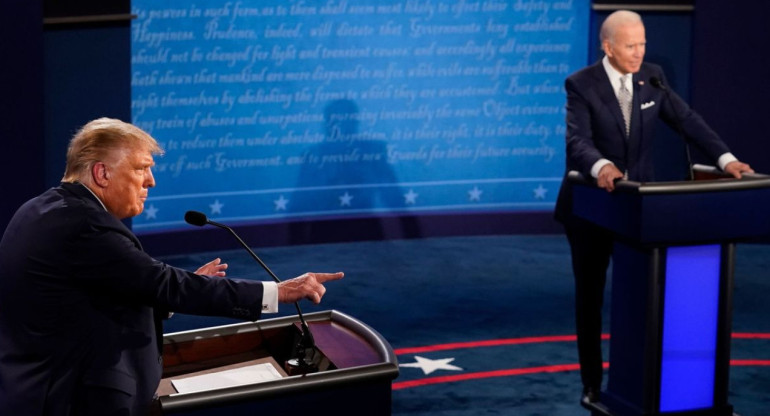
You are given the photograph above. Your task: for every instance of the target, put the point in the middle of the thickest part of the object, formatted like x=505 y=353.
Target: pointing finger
x=325 y=277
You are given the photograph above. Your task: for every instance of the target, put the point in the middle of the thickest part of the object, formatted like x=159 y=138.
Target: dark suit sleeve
x=109 y=260
x=676 y=113
x=581 y=151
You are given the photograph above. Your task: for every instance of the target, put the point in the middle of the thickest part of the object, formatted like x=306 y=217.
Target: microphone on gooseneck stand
x=301 y=364
x=657 y=83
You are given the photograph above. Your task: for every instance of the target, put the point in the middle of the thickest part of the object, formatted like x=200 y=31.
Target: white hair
x=614 y=21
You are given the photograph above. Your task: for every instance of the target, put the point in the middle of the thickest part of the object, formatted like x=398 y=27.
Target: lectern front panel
x=690 y=321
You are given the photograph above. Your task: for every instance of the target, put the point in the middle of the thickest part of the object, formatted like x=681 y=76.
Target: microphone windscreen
x=196 y=218
x=655 y=81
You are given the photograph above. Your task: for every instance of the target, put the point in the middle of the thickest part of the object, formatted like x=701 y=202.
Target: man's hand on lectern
x=737 y=168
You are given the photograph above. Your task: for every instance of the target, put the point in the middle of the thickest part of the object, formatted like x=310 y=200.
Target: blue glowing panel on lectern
x=690 y=327
x=279 y=110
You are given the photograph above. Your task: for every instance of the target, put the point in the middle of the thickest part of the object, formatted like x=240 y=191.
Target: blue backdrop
x=280 y=111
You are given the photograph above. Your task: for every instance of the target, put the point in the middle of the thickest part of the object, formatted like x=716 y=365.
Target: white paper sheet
x=229 y=378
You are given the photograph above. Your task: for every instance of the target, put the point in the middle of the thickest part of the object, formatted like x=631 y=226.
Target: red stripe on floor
x=489 y=343
x=530 y=340
x=485 y=374
x=749 y=362
x=531 y=370
x=525 y=371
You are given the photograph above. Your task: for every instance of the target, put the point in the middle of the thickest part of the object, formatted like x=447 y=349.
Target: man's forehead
x=136 y=154
x=145 y=157
x=630 y=28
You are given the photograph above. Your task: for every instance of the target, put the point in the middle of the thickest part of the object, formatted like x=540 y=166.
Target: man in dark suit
x=612 y=107
x=81 y=302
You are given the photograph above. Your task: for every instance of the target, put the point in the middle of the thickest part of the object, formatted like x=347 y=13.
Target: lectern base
x=599 y=409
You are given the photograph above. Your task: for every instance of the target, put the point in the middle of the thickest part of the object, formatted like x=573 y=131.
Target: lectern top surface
x=749 y=181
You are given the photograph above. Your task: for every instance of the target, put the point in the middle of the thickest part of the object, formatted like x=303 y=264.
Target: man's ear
x=100 y=175
x=606 y=48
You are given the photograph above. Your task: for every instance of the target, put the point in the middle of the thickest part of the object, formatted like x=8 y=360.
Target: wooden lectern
x=356 y=369
x=671 y=299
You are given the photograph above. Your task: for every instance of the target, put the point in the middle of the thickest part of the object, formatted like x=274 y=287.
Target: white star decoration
x=345 y=199
x=280 y=203
x=410 y=197
x=151 y=212
x=216 y=207
x=428 y=366
x=475 y=194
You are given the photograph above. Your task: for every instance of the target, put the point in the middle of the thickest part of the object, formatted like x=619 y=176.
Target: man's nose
x=149 y=179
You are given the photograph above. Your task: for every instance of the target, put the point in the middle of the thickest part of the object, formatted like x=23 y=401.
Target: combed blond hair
x=100 y=138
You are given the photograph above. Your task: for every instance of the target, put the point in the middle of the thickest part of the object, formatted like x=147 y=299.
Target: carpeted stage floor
x=484 y=325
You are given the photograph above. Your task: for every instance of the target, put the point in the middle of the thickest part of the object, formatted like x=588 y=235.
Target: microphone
x=657 y=83
x=303 y=363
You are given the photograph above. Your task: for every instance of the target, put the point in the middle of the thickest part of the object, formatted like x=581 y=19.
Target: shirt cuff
x=598 y=166
x=269 y=297
x=725 y=159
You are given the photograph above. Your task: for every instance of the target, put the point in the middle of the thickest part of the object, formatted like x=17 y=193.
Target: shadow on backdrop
x=349 y=174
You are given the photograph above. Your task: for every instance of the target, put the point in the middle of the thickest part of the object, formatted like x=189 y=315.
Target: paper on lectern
x=229 y=378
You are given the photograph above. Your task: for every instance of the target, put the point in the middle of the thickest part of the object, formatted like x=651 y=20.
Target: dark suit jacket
x=78 y=296
x=595 y=127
